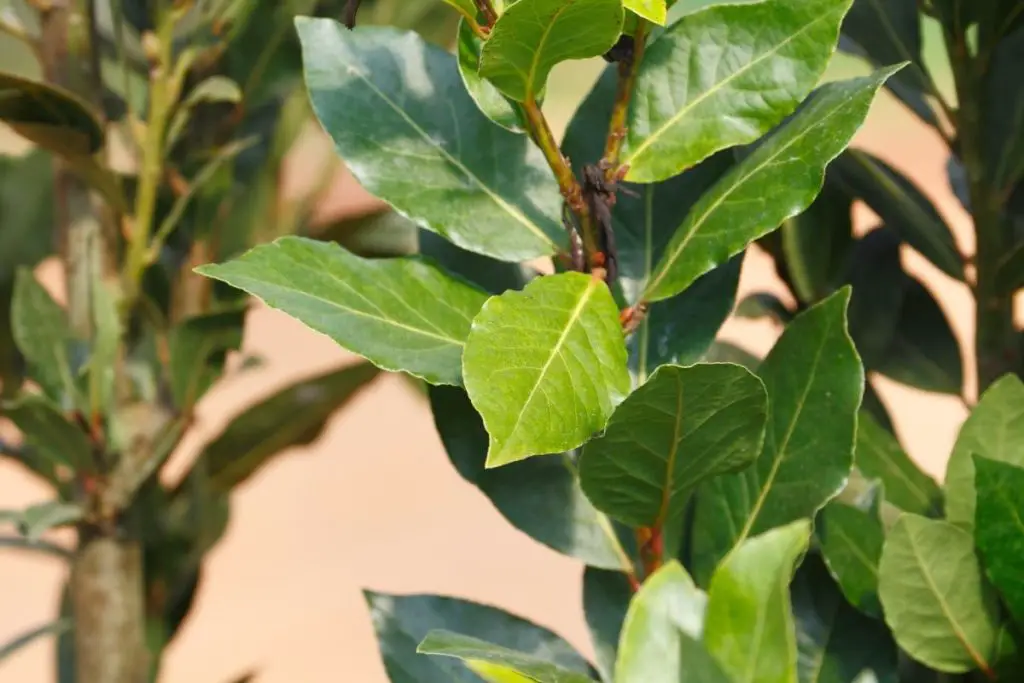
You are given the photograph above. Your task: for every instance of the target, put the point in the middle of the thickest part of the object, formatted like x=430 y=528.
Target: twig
x=487 y=9
x=628 y=68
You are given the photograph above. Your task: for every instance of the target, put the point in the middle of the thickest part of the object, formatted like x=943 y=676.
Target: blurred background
x=375 y=503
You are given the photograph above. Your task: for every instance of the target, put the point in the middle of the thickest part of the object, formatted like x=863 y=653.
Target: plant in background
x=157 y=131
x=737 y=523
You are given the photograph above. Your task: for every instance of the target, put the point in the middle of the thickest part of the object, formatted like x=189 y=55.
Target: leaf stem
x=623 y=96
x=487 y=9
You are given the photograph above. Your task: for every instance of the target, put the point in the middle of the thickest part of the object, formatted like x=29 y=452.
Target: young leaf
x=50 y=434
x=767 y=57
x=492 y=103
x=880 y=456
x=40 y=329
x=402 y=314
x=539 y=496
x=999 y=528
x=198 y=347
x=49 y=116
x=814 y=382
x=606 y=598
x=651 y=10
x=937 y=603
x=391 y=103
x=294 y=416
x=545 y=367
x=683 y=426
x=473 y=651
x=532 y=36
x=779 y=179
x=749 y=623
x=851 y=544
x=401 y=622
x=993 y=430
x=835 y=643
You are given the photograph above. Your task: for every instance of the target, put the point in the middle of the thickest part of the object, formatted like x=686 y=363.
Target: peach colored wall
x=374 y=503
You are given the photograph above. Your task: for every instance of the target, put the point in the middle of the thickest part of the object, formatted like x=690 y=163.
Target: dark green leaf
x=490 y=275
x=45 y=427
x=37 y=545
x=993 y=430
x=393 y=103
x=724 y=352
x=814 y=381
x=873 y=406
x=489 y=99
x=817 y=244
x=764 y=305
x=835 y=643
x=380 y=234
x=546 y=366
x=779 y=179
x=293 y=416
x=52 y=629
x=1010 y=275
x=880 y=456
x=999 y=528
x=936 y=601
x=749 y=625
x=851 y=545
x=401 y=622
x=401 y=314
x=900 y=205
x=682 y=113
x=532 y=36
x=876 y=275
x=539 y=496
x=49 y=116
x=198 y=347
x=26 y=195
x=41 y=331
x=1003 y=128
x=473 y=650
x=682 y=427
x=606 y=598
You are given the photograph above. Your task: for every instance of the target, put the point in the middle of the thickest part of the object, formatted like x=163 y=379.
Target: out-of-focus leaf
x=473 y=650
x=49 y=116
x=880 y=456
x=199 y=347
x=36 y=520
x=1010 y=276
x=724 y=352
x=764 y=305
x=44 y=426
x=817 y=243
x=878 y=281
x=35 y=545
x=40 y=329
x=999 y=528
x=489 y=99
x=490 y=275
x=51 y=629
x=26 y=212
x=606 y=598
x=1003 y=128
x=381 y=234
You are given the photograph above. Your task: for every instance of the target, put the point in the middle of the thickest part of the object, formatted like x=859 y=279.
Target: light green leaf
x=551 y=389
x=606 y=598
x=937 y=603
x=999 y=528
x=41 y=330
x=651 y=10
x=851 y=544
x=51 y=435
x=880 y=456
x=532 y=36
x=392 y=103
x=38 y=519
x=815 y=382
x=993 y=430
x=683 y=426
x=489 y=99
x=749 y=625
x=401 y=314
x=766 y=58
x=779 y=179
x=474 y=650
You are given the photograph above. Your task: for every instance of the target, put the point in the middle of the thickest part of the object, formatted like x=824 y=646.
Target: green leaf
x=38 y=519
x=473 y=650
x=540 y=496
x=1002 y=129
x=401 y=622
x=779 y=179
x=682 y=114
x=724 y=352
x=764 y=305
x=937 y=603
x=993 y=430
x=661 y=635
x=393 y=103
x=40 y=329
x=532 y=36
x=545 y=367
x=880 y=456
x=814 y=382
x=900 y=205
x=492 y=103
x=402 y=314
x=26 y=195
x=651 y=10
x=999 y=528
x=198 y=348
x=490 y=275
x=606 y=598
x=36 y=545
x=817 y=244
x=294 y=416
x=381 y=234
x=52 y=629
x=876 y=275
x=682 y=427
x=749 y=625
x=684 y=8
x=58 y=440
x=1010 y=273
x=851 y=545
x=835 y=643
x=49 y=116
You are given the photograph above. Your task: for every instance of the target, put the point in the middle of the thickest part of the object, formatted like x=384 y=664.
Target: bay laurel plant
x=739 y=521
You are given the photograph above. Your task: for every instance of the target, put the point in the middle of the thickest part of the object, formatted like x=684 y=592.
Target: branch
x=628 y=68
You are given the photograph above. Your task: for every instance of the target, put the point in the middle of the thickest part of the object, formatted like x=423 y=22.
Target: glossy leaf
x=749 y=625
x=814 y=382
x=900 y=205
x=49 y=116
x=993 y=430
x=492 y=103
x=532 y=36
x=835 y=643
x=683 y=426
x=779 y=179
x=51 y=435
x=545 y=367
x=401 y=622
x=392 y=103
x=402 y=314
x=606 y=598
x=473 y=650
x=661 y=635
x=817 y=243
x=766 y=58
x=651 y=10
x=936 y=601
x=198 y=348
x=41 y=331
x=851 y=544
x=294 y=416
x=999 y=528
x=880 y=456
x=540 y=496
